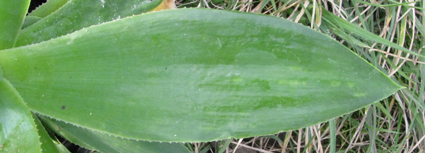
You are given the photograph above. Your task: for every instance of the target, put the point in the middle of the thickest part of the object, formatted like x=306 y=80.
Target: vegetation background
x=395 y=124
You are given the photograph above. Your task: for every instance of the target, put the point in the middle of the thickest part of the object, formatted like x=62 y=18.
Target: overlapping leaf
x=47 y=8
x=106 y=143
x=18 y=131
x=194 y=75
x=29 y=20
x=46 y=141
x=12 y=13
x=77 y=14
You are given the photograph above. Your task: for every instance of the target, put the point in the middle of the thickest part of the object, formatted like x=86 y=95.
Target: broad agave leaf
x=77 y=14
x=17 y=128
x=12 y=13
x=106 y=143
x=193 y=75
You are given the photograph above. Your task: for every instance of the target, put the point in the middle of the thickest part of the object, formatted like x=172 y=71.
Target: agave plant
x=108 y=76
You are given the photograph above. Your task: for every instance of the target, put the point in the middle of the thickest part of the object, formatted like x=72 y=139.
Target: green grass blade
x=332 y=127
x=78 y=14
x=186 y=75
x=406 y=4
x=107 y=143
x=273 y=137
x=414 y=99
x=422 y=68
x=205 y=149
x=361 y=17
x=47 y=8
x=12 y=13
x=333 y=19
x=274 y=5
x=225 y=144
x=349 y=38
x=418 y=24
x=371 y=122
x=384 y=110
x=18 y=131
x=262 y=5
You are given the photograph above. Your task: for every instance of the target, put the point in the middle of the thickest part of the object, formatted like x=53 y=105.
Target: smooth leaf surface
x=107 y=143
x=78 y=14
x=12 y=13
x=191 y=75
x=17 y=128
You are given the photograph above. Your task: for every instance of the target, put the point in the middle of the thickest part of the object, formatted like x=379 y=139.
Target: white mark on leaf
x=103 y=3
x=219 y=42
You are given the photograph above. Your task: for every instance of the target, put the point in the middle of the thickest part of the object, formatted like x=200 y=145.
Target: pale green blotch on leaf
x=335 y=83
x=1 y=74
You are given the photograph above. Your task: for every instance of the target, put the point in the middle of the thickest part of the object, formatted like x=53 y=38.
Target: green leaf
x=12 y=13
x=47 y=8
x=190 y=75
x=17 y=129
x=30 y=20
x=78 y=14
x=62 y=148
x=106 y=143
x=332 y=127
x=47 y=144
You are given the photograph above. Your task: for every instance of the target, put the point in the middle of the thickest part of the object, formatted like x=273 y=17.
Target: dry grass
x=395 y=124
